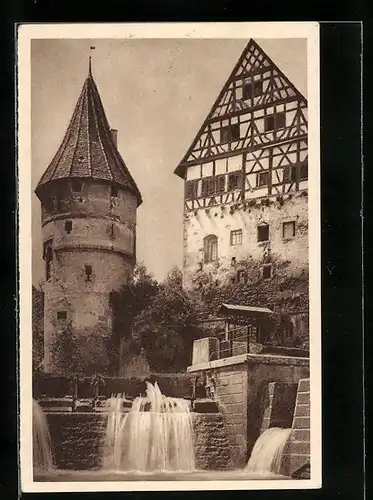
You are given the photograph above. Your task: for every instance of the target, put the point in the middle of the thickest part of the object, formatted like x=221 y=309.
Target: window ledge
x=263 y=243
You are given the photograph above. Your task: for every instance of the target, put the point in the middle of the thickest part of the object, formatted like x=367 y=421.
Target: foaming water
x=156 y=435
x=268 y=451
x=42 y=450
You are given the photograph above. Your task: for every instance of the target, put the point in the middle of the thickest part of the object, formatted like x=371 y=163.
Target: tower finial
x=90 y=63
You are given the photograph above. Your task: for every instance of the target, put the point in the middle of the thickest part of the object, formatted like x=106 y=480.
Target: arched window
x=210 y=247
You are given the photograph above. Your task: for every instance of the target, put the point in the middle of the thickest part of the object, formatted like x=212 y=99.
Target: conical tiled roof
x=88 y=149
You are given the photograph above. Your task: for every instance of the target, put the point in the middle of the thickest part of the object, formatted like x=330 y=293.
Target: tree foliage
x=167 y=326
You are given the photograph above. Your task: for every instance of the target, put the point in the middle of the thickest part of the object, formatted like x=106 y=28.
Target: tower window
x=88 y=272
x=210 y=246
x=191 y=189
x=252 y=89
x=68 y=226
x=114 y=191
x=76 y=185
x=230 y=133
x=263 y=232
x=236 y=237
x=61 y=315
x=267 y=271
x=262 y=179
x=304 y=171
x=275 y=121
x=288 y=229
x=48 y=258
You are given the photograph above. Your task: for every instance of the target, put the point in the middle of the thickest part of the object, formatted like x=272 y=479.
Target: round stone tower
x=88 y=214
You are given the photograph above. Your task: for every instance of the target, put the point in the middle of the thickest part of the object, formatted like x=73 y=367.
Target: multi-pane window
x=252 y=89
x=230 y=133
x=234 y=180
x=267 y=271
x=288 y=229
x=220 y=183
x=275 y=121
x=236 y=237
x=263 y=232
x=191 y=189
x=262 y=179
x=241 y=276
x=208 y=186
x=210 y=247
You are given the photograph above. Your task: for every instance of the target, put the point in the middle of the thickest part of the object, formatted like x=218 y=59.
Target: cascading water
x=156 y=435
x=42 y=450
x=267 y=452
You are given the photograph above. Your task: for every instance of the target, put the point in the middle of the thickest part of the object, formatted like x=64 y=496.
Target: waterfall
x=267 y=452
x=156 y=435
x=42 y=451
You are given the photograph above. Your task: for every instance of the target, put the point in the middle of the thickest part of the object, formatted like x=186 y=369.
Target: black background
x=341 y=175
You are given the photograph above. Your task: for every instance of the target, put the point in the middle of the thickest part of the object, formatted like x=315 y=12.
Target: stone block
x=301 y=423
x=292 y=463
x=302 y=410
x=304 y=385
x=303 y=398
x=204 y=350
x=300 y=435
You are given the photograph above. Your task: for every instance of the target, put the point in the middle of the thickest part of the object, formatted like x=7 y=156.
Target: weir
x=156 y=435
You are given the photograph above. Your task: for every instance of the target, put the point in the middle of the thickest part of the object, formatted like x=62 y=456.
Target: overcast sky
x=157 y=94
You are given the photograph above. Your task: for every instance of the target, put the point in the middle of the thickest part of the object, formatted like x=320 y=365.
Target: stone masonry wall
x=230 y=393
x=77 y=439
x=297 y=451
x=221 y=222
x=211 y=442
x=238 y=384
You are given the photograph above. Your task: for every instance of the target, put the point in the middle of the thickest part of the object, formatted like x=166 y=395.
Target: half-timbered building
x=246 y=178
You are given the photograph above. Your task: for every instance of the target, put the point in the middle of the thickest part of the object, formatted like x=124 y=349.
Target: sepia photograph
x=170 y=332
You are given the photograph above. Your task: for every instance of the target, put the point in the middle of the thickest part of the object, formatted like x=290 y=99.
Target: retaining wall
x=78 y=438
x=298 y=449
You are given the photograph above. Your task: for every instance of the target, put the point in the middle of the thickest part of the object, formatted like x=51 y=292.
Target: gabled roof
x=88 y=149
x=252 y=61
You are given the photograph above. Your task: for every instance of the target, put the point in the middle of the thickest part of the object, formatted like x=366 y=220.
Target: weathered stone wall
x=261 y=371
x=101 y=235
x=241 y=281
x=77 y=439
x=297 y=451
x=211 y=442
x=230 y=392
x=222 y=222
x=238 y=384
